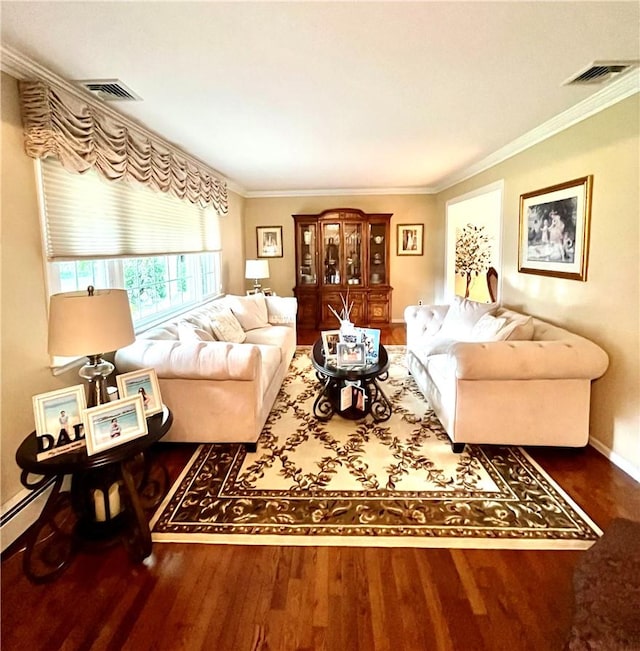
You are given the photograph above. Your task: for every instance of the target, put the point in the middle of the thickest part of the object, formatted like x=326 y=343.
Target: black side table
x=122 y=477
x=334 y=378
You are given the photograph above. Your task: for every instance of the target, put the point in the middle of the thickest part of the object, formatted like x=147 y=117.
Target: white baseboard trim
x=616 y=459
x=22 y=510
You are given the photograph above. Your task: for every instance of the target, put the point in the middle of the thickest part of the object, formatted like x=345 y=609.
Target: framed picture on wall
x=410 y=239
x=554 y=230
x=269 y=241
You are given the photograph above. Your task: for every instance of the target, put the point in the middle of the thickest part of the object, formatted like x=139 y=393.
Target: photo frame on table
x=410 y=239
x=370 y=338
x=59 y=421
x=114 y=423
x=144 y=382
x=269 y=241
x=349 y=356
x=330 y=341
x=553 y=238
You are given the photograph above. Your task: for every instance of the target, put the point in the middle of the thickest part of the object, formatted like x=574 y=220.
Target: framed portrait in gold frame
x=553 y=235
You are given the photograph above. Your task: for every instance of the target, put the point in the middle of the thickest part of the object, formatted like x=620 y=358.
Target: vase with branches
x=473 y=253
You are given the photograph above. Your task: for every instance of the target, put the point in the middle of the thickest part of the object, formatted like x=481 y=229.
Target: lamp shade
x=89 y=322
x=256 y=269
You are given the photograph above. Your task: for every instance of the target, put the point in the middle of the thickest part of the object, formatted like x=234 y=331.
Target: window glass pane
x=159 y=287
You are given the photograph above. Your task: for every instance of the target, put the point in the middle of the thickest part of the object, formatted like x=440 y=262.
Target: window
x=158 y=286
x=164 y=251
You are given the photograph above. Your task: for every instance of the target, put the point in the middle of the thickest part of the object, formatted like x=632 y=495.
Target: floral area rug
x=360 y=483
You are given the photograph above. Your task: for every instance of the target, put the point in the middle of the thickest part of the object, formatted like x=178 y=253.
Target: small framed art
x=410 y=239
x=59 y=426
x=554 y=230
x=371 y=340
x=114 y=423
x=349 y=356
x=330 y=341
x=145 y=383
x=269 y=241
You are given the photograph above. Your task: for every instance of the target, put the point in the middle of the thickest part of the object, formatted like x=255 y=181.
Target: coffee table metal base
x=327 y=402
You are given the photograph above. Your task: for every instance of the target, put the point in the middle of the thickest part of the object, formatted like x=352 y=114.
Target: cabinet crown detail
x=342 y=250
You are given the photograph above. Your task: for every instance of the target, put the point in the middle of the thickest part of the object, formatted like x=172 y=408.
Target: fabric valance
x=81 y=137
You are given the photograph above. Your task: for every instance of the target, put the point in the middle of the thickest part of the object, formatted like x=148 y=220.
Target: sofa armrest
x=573 y=358
x=423 y=320
x=282 y=310
x=201 y=360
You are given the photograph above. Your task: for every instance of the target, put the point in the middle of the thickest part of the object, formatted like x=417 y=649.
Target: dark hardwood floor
x=234 y=598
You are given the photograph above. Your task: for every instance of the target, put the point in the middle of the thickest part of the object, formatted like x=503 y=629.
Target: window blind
x=87 y=216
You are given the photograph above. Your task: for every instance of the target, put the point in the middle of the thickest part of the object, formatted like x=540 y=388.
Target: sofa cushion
x=517 y=328
x=189 y=332
x=226 y=327
x=462 y=315
x=251 y=311
x=167 y=332
x=488 y=328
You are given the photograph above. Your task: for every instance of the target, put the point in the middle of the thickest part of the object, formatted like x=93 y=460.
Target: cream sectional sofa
x=493 y=375
x=219 y=390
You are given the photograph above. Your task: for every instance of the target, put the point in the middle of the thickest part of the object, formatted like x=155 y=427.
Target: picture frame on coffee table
x=350 y=356
x=330 y=341
x=59 y=421
x=144 y=382
x=114 y=423
x=554 y=230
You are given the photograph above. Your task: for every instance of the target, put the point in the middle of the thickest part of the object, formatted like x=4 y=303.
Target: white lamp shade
x=80 y=324
x=256 y=269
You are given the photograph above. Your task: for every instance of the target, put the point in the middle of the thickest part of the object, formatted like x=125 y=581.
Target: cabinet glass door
x=353 y=253
x=378 y=255
x=307 y=254
x=332 y=253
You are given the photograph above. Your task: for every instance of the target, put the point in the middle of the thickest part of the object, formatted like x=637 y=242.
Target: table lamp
x=91 y=323
x=256 y=269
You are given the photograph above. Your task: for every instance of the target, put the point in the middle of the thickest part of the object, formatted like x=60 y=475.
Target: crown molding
x=20 y=66
x=615 y=92
x=336 y=192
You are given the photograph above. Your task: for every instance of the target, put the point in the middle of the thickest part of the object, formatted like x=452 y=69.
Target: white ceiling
x=301 y=96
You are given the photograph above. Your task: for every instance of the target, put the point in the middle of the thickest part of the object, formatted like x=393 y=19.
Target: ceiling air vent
x=600 y=72
x=109 y=90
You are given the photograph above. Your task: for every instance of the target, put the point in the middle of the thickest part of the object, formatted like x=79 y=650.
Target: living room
x=603 y=142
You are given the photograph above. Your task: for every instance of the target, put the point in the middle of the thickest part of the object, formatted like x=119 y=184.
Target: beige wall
x=23 y=356
x=606 y=307
x=232 y=235
x=412 y=278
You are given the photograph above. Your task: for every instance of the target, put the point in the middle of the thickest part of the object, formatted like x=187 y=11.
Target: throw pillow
x=226 y=327
x=487 y=328
x=188 y=332
x=517 y=329
x=462 y=315
x=251 y=311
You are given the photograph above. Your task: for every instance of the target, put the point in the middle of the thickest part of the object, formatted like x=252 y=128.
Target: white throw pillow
x=226 y=327
x=188 y=332
x=251 y=311
x=487 y=328
x=462 y=315
x=517 y=329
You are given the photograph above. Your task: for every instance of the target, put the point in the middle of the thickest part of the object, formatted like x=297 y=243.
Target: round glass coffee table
x=351 y=392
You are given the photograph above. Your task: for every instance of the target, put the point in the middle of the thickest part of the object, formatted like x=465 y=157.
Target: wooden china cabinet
x=340 y=251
